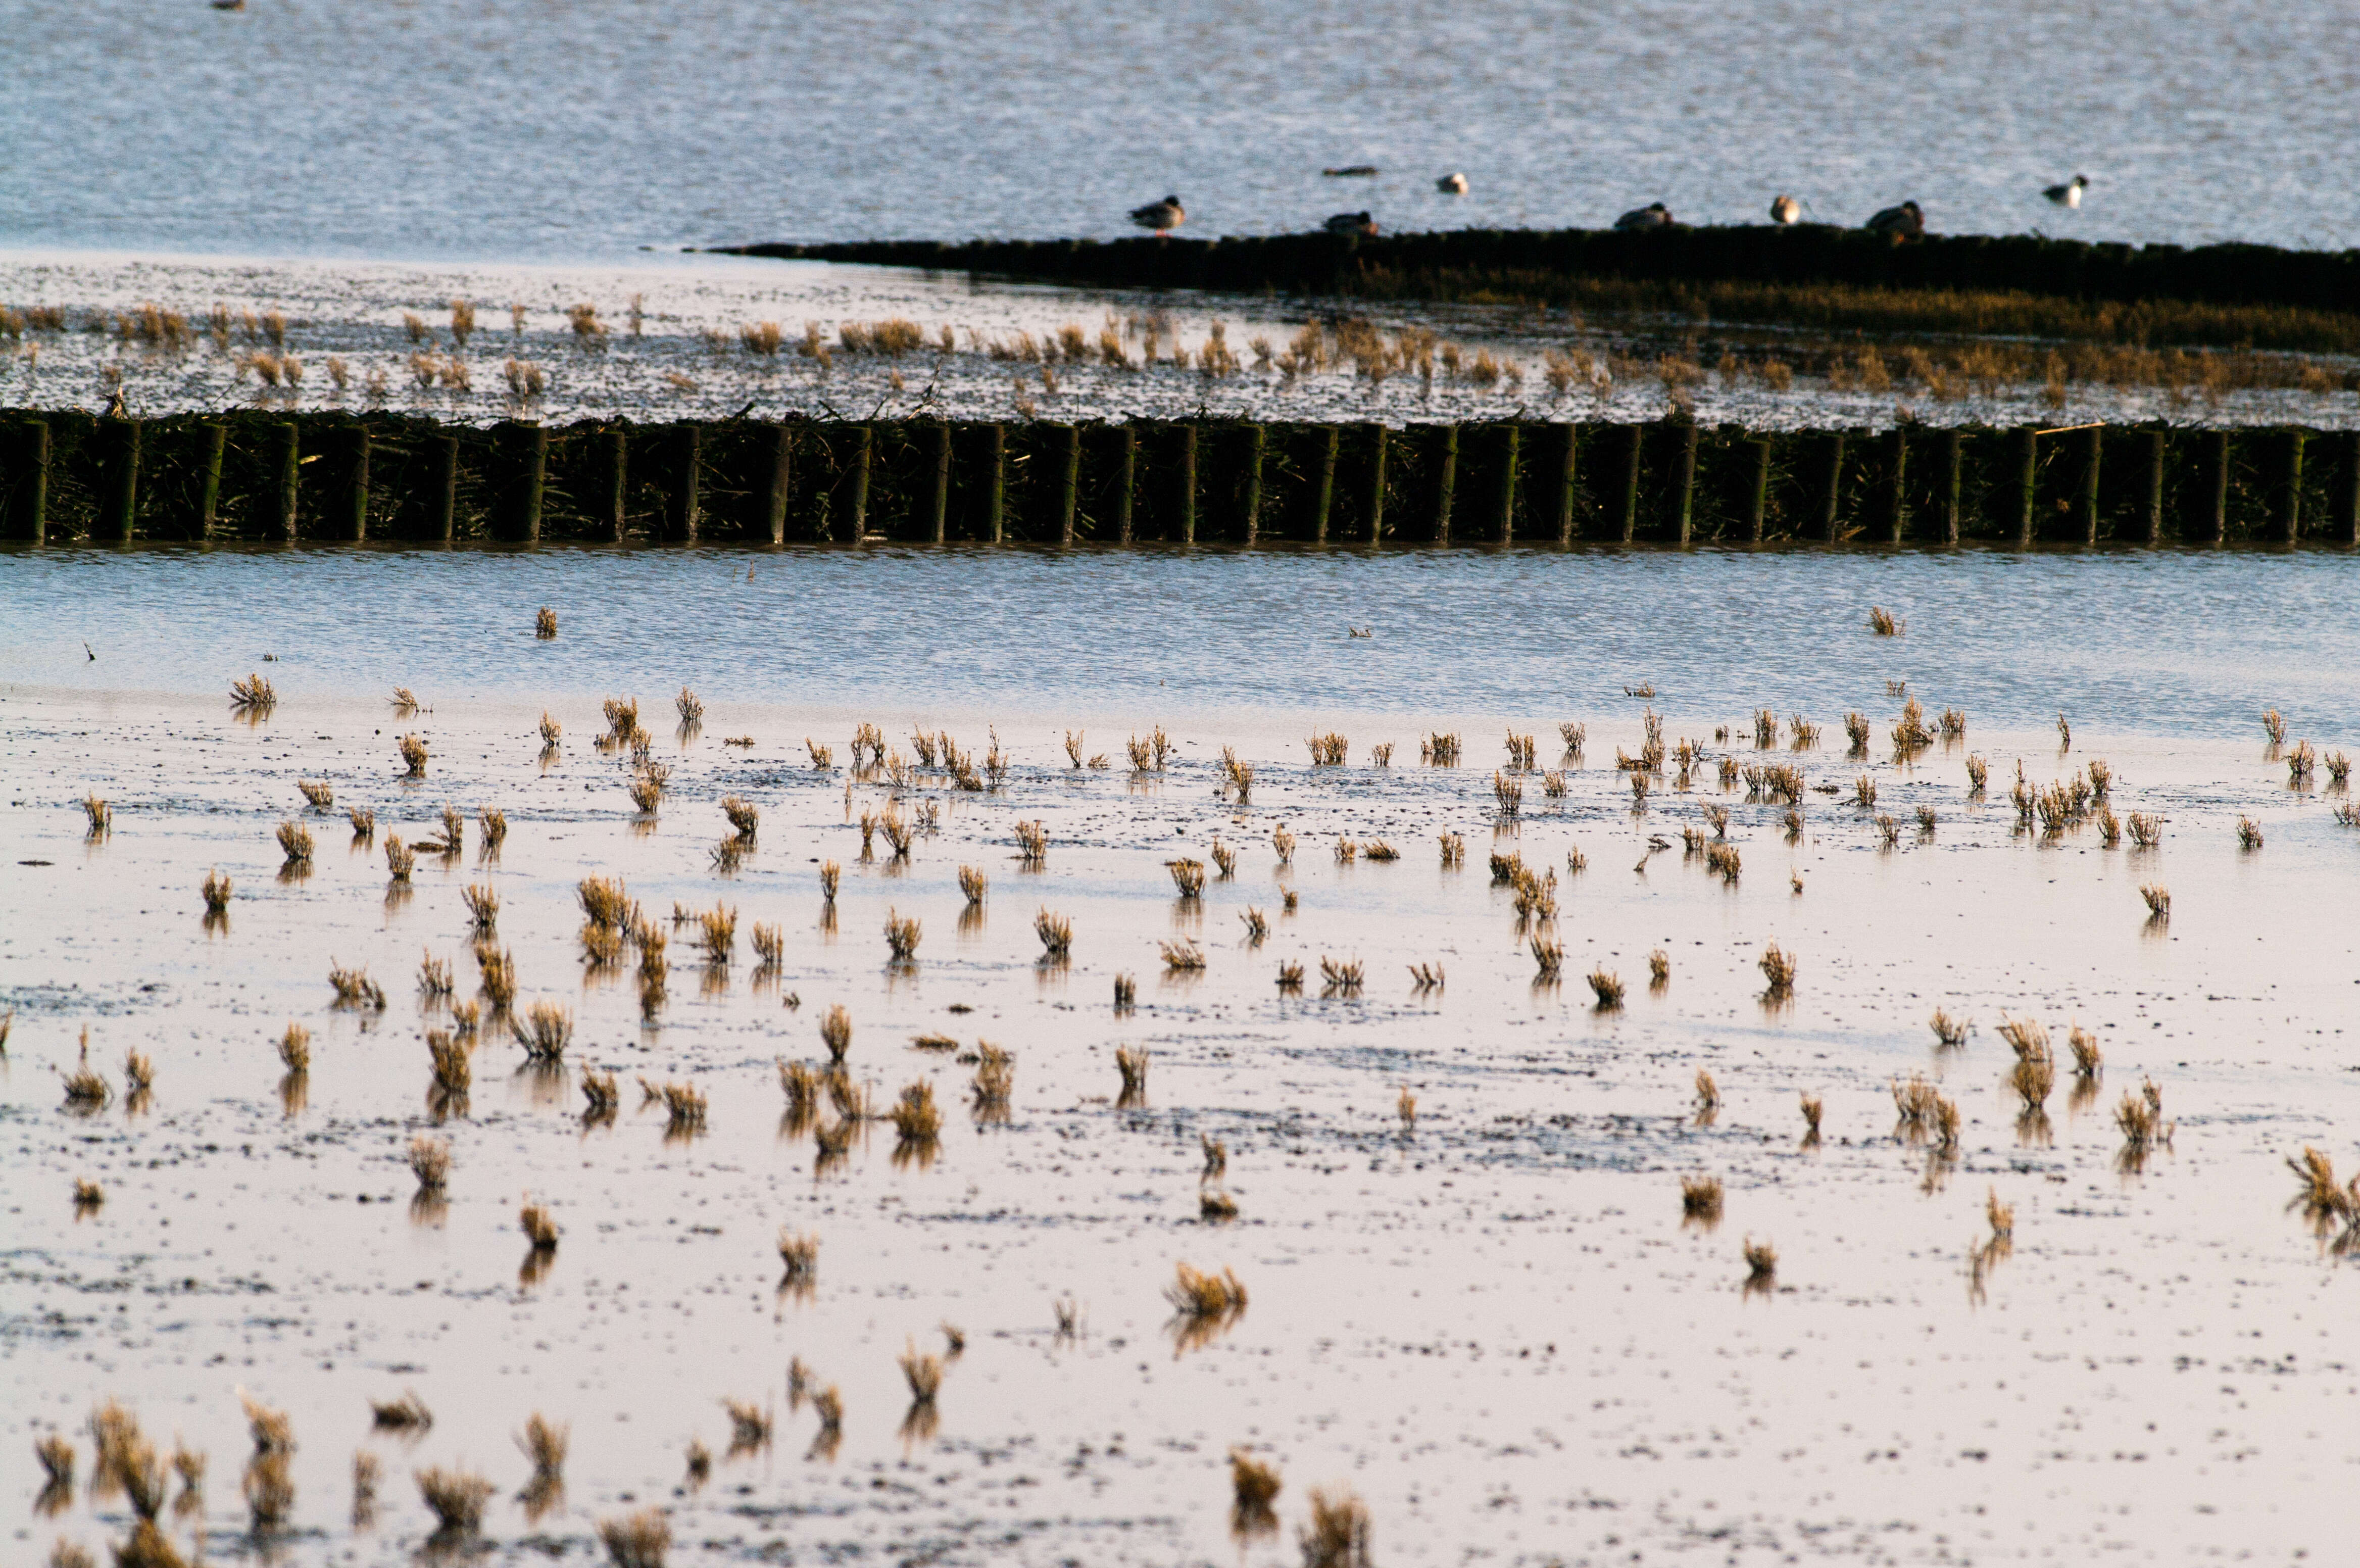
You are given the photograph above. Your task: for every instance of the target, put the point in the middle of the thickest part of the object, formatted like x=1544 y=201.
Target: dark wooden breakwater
x=259 y=476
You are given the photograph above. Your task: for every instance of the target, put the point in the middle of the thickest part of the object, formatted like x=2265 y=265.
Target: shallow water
x=514 y=129
x=1493 y=1326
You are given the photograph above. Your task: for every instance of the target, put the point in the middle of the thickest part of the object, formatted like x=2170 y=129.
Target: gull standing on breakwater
x=1904 y=221
x=1452 y=184
x=1785 y=209
x=1653 y=215
x=1161 y=216
x=2070 y=193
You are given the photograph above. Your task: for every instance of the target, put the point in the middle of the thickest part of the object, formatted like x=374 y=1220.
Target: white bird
x=2070 y=193
x=1452 y=184
x=1161 y=216
x=1653 y=215
x=1785 y=209
x=1351 y=222
x=1904 y=221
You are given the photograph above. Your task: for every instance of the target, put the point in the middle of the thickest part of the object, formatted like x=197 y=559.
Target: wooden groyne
x=258 y=477
x=2254 y=279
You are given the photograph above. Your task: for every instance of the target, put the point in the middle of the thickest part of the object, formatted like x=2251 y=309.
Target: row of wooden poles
x=1554 y=455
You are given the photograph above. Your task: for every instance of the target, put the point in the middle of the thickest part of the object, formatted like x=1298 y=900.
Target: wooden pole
x=1831 y=522
x=1446 y=484
x=1326 y=493
x=2027 y=482
x=445 y=492
x=1257 y=438
x=1125 y=485
x=33 y=508
x=357 y=489
x=1188 y=484
x=1510 y=448
x=1758 y=508
x=209 y=496
x=2093 y=449
x=2154 y=488
x=995 y=516
x=619 y=478
x=864 y=448
x=2347 y=493
x=940 y=500
x=120 y=516
x=1378 y=437
x=1954 y=455
x=782 y=477
x=1568 y=471
x=1896 y=476
x=687 y=498
x=1632 y=437
x=2290 y=513
x=2216 y=529
x=1069 y=480
x=536 y=480
x=291 y=481
x=1684 y=511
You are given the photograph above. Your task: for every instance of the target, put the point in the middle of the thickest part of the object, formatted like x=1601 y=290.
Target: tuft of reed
x=483 y=904
x=636 y=1539
x=600 y=1090
x=2274 y=726
x=408 y=1413
x=1283 y=843
x=215 y=891
x=1199 y=1295
x=270 y=1487
x=1608 y=987
x=914 y=1117
x=1252 y=1486
x=1342 y=978
x=453 y=1068
x=750 y=1426
x=995 y=1081
x=1708 y=1098
x=1379 y=851
x=295 y=843
x=413 y=756
x=1337 y=1535
x=88 y=1195
x=1700 y=1199
x=1951 y=1033
x=1033 y=844
x=1548 y=957
x=2249 y=833
x=429 y=1162
x=1778 y=969
x=1290 y=976
x=254 y=695
x=901 y=937
x=1187 y=875
x=1812 y=1110
x=85 y=1091
x=2146 y=830
x=455 y=1499
x=540 y=1230
x=321 y=796
x=2158 y=900
x=973 y=884
x=1184 y=955
x=353 y=987
x=923 y=1373
x=2087 y=1056
x=685 y=1107
x=1133 y=1065
x=1761 y=1263
x=1881 y=621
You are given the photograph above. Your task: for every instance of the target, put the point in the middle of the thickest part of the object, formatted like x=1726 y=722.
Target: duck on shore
x=1162 y=216
x=1785 y=209
x=1904 y=221
x=1452 y=184
x=1653 y=215
x=1351 y=222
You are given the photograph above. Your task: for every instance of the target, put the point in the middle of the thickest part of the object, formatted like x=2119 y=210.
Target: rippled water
x=2162 y=645
x=522 y=128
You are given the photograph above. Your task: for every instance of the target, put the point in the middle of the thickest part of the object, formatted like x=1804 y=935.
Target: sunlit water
x=519 y=129
x=1490 y=1325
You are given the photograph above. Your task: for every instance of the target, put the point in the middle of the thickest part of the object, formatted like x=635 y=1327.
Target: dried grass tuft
x=455 y=1497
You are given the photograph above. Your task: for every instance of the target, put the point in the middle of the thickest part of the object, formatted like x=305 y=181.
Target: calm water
x=2167 y=646
x=524 y=129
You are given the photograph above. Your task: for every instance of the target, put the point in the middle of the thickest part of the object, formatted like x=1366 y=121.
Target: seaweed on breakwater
x=345 y=478
x=1814 y=274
